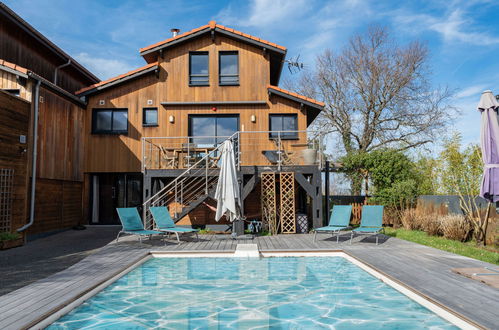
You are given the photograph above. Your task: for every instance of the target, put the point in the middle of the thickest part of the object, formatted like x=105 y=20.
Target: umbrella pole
x=483 y=226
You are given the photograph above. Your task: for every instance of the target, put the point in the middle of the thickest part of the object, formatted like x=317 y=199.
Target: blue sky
x=463 y=36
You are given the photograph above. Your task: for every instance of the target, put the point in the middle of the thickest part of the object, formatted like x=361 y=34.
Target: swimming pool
x=225 y=293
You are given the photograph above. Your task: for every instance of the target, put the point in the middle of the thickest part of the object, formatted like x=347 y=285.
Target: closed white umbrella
x=227 y=194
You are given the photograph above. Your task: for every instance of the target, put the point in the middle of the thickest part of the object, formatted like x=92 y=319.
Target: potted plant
x=10 y=240
x=310 y=154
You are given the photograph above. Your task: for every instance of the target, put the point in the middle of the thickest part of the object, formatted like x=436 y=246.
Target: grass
x=9 y=236
x=467 y=249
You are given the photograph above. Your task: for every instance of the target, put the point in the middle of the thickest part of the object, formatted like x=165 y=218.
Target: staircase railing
x=194 y=184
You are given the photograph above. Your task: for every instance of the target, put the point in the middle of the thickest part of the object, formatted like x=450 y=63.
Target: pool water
x=235 y=293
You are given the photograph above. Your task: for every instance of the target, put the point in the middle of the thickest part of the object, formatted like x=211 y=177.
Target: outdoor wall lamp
x=253 y=118
x=171 y=119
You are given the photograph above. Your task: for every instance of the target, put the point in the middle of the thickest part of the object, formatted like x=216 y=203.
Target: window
x=110 y=121
x=198 y=69
x=212 y=129
x=228 y=68
x=15 y=92
x=150 y=117
x=283 y=123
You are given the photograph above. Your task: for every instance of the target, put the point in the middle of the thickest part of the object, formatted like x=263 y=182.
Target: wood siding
x=16 y=46
x=15 y=115
x=254 y=72
x=58 y=205
x=61 y=142
x=9 y=81
x=122 y=153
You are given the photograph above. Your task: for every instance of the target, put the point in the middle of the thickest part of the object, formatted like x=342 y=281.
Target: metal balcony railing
x=254 y=148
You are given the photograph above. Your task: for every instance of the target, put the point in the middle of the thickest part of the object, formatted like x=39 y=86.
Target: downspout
x=34 y=157
x=57 y=69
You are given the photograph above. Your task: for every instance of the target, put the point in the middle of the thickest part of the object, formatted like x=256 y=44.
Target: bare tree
x=378 y=94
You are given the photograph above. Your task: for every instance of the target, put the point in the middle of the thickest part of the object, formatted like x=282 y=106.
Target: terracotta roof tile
x=302 y=97
x=14 y=66
x=105 y=82
x=211 y=25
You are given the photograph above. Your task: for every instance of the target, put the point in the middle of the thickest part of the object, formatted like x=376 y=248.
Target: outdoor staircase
x=188 y=190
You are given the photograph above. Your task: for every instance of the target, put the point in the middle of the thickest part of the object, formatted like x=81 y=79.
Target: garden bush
x=455 y=226
x=431 y=224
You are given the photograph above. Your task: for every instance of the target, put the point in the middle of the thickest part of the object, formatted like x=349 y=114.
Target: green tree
x=460 y=173
x=389 y=175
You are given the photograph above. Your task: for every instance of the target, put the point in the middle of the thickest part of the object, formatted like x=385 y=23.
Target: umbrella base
x=237 y=228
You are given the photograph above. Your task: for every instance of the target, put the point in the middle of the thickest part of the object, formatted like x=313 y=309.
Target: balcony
x=253 y=148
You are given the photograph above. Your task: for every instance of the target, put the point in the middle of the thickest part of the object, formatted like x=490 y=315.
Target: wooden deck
x=425 y=269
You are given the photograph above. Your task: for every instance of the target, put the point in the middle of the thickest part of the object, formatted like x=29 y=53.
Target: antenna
x=294 y=64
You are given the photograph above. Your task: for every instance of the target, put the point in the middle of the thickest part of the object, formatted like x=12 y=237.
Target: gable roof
x=314 y=107
x=276 y=52
x=212 y=25
x=53 y=48
x=296 y=97
x=118 y=79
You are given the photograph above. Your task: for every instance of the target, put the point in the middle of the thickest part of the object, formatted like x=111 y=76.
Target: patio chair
x=371 y=221
x=132 y=223
x=164 y=222
x=339 y=221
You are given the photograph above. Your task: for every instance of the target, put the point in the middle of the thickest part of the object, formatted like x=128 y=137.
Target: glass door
x=116 y=190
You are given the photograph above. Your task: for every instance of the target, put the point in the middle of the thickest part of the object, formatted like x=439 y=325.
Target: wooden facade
x=28 y=57
x=164 y=84
x=14 y=155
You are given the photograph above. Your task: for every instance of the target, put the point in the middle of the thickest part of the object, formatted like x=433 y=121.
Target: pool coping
x=422 y=299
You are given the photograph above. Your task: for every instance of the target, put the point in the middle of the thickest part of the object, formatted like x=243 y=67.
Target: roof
x=296 y=97
x=314 y=107
x=25 y=26
x=276 y=52
x=25 y=73
x=118 y=79
x=212 y=25
x=13 y=68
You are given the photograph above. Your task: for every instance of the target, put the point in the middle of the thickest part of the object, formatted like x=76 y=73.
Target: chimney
x=175 y=32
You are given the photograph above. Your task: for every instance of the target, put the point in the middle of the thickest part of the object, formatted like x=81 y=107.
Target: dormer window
x=229 y=68
x=198 y=69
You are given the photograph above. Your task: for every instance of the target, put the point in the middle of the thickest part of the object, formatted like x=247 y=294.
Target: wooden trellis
x=268 y=201
x=288 y=214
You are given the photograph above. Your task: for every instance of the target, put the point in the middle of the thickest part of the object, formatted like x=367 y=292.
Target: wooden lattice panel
x=268 y=201
x=288 y=214
x=6 y=198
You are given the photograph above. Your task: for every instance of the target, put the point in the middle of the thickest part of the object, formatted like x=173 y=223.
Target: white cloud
x=104 y=68
x=471 y=91
x=453 y=28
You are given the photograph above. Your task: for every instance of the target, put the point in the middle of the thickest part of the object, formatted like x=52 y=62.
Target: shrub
x=9 y=236
x=431 y=224
x=408 y=219
x=455 y=226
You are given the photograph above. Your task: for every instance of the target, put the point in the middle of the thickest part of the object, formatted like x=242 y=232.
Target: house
x=38 y=108
x=151 y=134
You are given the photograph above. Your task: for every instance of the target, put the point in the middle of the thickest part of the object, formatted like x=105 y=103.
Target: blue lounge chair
x=371 y=221
x=132 y=224
x=339 y=220
x=164 y=222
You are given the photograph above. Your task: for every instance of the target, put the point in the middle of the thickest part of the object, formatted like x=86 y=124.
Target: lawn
x=468 y=249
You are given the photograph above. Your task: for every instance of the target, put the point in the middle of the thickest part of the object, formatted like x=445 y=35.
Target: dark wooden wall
x=59 y=186
x=17 y=46
x=61 y=129
x=14 y=121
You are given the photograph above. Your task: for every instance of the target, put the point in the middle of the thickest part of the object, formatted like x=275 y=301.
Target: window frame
x=190 y=68
x=283 y=115
x=144 y=124
x=199 y=115
x=220 y=54
x=111 y=131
